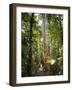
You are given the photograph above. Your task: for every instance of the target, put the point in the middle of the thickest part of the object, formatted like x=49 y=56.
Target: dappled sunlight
x=52 y=61
x=42 y=44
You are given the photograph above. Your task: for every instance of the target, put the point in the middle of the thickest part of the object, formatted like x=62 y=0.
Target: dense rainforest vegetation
x=42 y=44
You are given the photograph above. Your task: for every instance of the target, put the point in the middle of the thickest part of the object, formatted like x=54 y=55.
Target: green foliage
x=47 y=44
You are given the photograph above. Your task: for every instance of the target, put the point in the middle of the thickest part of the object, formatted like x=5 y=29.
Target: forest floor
x=42 y=73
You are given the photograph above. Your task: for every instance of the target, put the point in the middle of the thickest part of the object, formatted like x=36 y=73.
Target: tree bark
x=30 y=46
x=45 y=42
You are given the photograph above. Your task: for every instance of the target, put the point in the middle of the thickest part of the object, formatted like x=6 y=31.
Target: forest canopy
x=42 y=44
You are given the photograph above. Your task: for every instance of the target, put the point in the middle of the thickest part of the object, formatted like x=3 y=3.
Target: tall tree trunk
x=45 y=42
x=44 y=30
x=60 y=36
x=61 y=30
x=30 y=46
